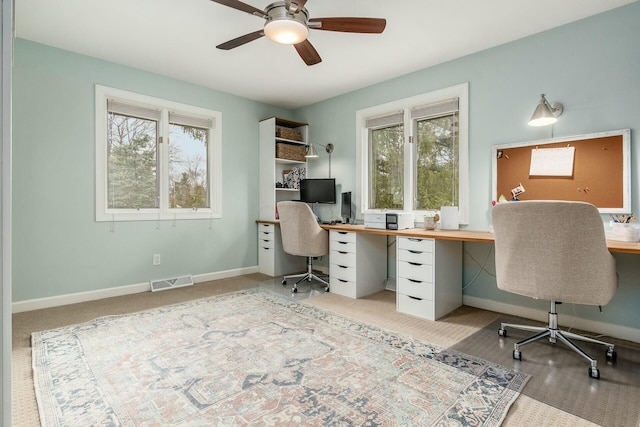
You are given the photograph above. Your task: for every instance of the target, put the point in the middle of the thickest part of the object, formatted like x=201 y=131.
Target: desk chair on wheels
x=302 y=236
x=556 y=251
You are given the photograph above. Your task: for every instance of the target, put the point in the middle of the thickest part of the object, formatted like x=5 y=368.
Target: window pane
x=132 y=181
x=437 y=162
x=188 y=173
x=386 y=168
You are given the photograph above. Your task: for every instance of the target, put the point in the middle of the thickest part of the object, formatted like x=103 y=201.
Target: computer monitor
x=318 y=190
x=345 y=208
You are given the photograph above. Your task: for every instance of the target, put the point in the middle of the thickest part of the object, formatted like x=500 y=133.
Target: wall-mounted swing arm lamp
x=545 y=113
x=312 y=153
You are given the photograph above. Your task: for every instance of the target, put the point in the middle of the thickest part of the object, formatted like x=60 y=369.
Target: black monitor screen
x=319 y=190
x=346 y=205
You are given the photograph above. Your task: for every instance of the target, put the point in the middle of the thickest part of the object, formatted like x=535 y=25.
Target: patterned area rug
x=255 y=358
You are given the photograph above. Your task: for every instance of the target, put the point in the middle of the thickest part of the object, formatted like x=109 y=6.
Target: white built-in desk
x=464 y=236
x=428 y=264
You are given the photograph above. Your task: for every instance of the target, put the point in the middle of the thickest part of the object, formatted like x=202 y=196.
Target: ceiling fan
x=287 y=22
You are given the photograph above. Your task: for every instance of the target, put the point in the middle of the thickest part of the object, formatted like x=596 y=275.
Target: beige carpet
x=378 y=309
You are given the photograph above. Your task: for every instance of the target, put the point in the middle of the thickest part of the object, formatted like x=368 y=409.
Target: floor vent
x=175 y=282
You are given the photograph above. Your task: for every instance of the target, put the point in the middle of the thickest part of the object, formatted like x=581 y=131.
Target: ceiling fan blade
x=236 y=4
x=239 y=41
x=308 y=53
x=295 y=6
x=349 y=25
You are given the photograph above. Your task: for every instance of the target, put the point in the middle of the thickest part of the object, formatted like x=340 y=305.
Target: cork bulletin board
x=593 y=168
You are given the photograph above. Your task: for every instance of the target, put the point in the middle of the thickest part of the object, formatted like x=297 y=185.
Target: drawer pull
x=264 y=232
x=415 y=298
x=415 y=252
x=414 y=263
x=267 y=249
x=342 y=232
x=343 y=281
x=343 y=243
x=342 y=266
x=413 y=239
x=343 y=253
x=266 y=240
x=415 y=281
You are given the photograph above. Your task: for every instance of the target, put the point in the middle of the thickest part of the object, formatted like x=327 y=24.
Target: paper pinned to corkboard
x=552 y=161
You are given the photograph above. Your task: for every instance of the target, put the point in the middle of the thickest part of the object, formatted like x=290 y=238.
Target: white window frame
x=405 y=105
x=163 y=212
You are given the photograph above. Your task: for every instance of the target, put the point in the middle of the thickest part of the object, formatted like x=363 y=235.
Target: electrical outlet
x=156 y=259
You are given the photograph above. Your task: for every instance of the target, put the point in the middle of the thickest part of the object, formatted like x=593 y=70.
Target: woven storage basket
x=290 y=152
x=288 y=133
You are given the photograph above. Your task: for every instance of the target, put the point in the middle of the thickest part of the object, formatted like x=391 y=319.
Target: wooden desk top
x=460 y=235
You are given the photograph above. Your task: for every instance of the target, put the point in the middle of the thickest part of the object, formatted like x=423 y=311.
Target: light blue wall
x=591 y=66
x=58 y=247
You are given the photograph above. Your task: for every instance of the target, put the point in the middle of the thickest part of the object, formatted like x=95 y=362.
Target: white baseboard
x=608 y=329
x=39 y=303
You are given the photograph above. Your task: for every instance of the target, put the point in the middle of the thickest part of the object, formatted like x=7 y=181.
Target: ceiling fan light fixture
x=286 y=31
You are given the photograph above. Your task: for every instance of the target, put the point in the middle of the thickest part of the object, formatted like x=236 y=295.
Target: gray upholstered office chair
x=557 y=251
x=302 y=236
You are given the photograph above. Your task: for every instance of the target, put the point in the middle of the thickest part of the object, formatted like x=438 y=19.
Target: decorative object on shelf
x=292 y=177
x=295 y=152
x=545 y=113
x=288 y=133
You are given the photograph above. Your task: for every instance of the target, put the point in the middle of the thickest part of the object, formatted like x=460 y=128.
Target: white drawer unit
x=357 y=263
x=272 y=259
x=429 y=276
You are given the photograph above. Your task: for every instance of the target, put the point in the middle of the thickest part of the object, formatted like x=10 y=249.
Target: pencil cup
x=623 y=232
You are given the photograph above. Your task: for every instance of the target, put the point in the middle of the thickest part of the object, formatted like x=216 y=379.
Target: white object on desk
x=449 y=218
x=623 y=232
x=375 y=220
x=399 y=220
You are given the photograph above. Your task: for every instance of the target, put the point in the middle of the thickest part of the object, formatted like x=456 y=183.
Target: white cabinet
x=429 y=276
x=274 y=141
x=272 y=260
x=358 y=263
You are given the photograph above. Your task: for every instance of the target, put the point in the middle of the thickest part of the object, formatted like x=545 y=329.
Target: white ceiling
x=177 y=38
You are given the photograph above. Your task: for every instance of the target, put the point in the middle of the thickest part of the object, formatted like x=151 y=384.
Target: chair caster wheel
x=611 y=356
x=594 y=373
x=284 y=282
x=294 y=290
x=517 y=355
x=502 y=332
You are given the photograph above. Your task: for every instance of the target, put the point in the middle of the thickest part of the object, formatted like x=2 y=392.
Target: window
x=413 y=153
x=155 y=159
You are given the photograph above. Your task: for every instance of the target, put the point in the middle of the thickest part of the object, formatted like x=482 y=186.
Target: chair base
x=555 y=334
x=308 y=276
